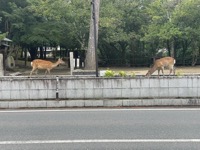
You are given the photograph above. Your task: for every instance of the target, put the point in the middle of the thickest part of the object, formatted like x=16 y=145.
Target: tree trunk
x=172 y=48
x=184 y=45
x=195 y=54
x=41 y=52
x=45 y=52
x=123 y=53
x=132 y=55
x=33 y=52
x=90 y=60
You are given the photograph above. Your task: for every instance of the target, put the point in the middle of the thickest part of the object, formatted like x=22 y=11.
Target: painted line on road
x=100 y=110
x=101 y=141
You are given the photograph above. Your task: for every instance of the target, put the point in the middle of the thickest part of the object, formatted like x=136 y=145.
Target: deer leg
x=49 y=71
x=158 y=72
x=174 y=70
x=45 y=72
x=32 y=71
x=162 y=71
x=36 y=71
x=171 y=69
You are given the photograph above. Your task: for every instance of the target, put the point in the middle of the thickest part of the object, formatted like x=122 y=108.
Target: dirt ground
x=65 y=70
x=143 y=70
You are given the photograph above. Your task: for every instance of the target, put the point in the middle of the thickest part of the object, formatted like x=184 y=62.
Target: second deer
x=44 y=65
x=160 y=64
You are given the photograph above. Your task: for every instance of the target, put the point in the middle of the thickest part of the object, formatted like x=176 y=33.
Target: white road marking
x=101 y=141
x=98 y=110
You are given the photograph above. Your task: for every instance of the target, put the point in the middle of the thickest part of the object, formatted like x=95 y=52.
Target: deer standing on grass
x=44 y=65
x=160 y=64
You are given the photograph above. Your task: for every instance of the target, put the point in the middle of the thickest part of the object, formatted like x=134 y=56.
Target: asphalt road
x=109 y=129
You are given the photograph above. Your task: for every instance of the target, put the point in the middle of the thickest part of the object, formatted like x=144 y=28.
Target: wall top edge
x=92 y=77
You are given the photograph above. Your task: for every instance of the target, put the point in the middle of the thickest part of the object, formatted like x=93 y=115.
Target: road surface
x=110 y=129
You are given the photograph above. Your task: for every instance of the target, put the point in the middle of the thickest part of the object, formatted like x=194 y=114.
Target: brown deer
x=160 y=64
x=44 y=65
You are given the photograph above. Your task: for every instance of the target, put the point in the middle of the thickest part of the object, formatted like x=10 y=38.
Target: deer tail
x=174 y=61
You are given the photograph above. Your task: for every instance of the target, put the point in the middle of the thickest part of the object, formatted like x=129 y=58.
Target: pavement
x=106 y=103
x=100 y=129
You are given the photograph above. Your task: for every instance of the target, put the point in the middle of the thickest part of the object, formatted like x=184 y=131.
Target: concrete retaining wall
x=20 y=88
x=1 y=65
x=92 y=88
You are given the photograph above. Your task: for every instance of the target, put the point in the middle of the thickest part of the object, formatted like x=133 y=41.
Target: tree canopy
x=130 y=31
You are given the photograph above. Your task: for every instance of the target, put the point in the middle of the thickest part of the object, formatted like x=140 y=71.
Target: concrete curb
x=17 y=104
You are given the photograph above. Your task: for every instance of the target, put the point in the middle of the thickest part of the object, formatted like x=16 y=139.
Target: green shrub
x=109 y=73
x=133 y=75
x=179 y=73
x=122 y=74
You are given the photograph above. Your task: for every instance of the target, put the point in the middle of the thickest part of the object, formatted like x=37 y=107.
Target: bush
x=109 y=73
x=122 y=74
x=179 y=73
x=133 y=75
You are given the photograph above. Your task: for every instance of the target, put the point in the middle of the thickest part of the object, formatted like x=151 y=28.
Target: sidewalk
x=17 y=104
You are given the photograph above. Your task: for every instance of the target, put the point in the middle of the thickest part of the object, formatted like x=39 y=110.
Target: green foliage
x=122 y=74
x=179 y=73
x=2 y=36
x=161 y=26
x=129 y=30
x=133 y=75
x=109 y=73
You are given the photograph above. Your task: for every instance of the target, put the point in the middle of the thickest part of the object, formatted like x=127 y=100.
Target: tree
x=90 y=61
x=162 y=29
x=121 y=25
x=71 y=17
x=186 y=17
x=130 y=31
x=2 y=36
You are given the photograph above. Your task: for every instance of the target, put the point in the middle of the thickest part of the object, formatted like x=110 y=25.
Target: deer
x=44 y=65
x=161 y=64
